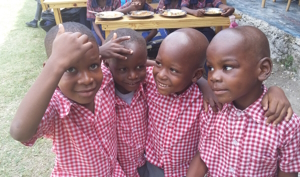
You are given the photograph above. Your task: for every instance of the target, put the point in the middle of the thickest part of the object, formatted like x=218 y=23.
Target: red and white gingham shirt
x=239 y=143
x=173 y=130
x=131 y=130
x=85 y=144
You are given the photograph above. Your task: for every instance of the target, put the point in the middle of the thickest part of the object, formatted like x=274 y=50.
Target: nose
x=132 y=75
x=215 y=76
x=85 y=78
x=162 y=74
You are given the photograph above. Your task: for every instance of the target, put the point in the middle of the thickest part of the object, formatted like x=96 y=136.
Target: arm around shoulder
x=197 y=167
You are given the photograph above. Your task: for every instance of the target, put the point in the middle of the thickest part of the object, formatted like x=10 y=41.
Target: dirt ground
x=289 y=82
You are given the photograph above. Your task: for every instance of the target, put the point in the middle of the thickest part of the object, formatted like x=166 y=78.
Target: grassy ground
x=21 y=57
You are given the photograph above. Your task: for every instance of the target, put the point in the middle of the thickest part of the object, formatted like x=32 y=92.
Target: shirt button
x=231 y=170
x=238 y=113
x=235 y=142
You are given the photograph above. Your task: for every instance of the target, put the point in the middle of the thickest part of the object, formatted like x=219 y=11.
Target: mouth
x=133 y=83
x=87 y=92
x=161 y=85
x=218 y=91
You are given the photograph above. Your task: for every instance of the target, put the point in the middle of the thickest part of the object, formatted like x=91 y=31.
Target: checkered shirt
x=239 y=143
x=85 y=143
x=146 y=6
x=92 y=5
x=131 y=130
x=196 y=4
x=173 y=130
x=167 y=4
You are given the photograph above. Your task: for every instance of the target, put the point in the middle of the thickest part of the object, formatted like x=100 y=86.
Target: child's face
x=172 y=73
x=129 y=73
x=82 y=81
x=232 y=75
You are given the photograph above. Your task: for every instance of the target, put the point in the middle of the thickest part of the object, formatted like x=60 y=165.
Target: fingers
x=121 y=39
x=271 y=112
x=289 y=114
x=281 y=117
x=264 y=102
x=61 y=29
x=114 y=36
x=205 y=104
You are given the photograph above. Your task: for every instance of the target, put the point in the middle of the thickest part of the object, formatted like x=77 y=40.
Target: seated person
x=237 y=141
x=99 y=6
x=196 y=8
x=139 y=5
x=168 y=4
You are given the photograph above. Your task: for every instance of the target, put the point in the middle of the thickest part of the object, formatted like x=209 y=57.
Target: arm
x=113 y=48
x=197 y=167
x=208 y=96
x=227 y=10
x=276 y=105
x=283 y=174
x=151 y=35
x=196 y=12
x=129 y=6
x=35 y=102
x=97 y=30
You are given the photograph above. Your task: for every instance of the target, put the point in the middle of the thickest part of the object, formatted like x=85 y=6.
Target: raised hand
x=69 y=47
x=113 y=48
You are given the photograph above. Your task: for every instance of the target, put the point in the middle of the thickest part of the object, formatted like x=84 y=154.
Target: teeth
x=162 y=85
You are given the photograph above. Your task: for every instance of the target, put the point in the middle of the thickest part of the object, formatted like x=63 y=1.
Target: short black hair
x=69 y=27
x=135 y=37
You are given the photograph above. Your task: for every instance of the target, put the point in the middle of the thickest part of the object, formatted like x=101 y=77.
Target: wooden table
x=158 y=21
x=57 y=4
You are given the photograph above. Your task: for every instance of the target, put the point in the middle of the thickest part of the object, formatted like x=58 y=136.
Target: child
x=237 y=141
x=131 y=107
x=67 y=105
x=100 y=6
x=168 y=4
x=196 y=8
x=139 y=5
x=175 y=103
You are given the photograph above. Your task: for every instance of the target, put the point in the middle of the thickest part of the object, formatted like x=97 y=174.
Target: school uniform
x=85 y=143
x=237 y=142
x=173 y=129
x=131 y=111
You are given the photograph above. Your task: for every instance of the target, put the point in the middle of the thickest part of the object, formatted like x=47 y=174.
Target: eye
x=173 y=70
x=210 y=68
x=158 y=63
x=71 y=70
x=93 y=66
x=140 y=67
x=122 y=69
x=228 y=68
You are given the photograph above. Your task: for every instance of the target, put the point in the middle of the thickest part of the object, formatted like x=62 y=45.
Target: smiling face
x=129 y=73
x=82 y=81
x=176 y=69
x=233 y=70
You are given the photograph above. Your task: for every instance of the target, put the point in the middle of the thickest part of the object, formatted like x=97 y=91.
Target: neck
x=249 y=98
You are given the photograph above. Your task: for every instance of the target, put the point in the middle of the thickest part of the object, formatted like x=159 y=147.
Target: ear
x=106 y=63
x=265 y=67
x=44 y=63
x=197 y=74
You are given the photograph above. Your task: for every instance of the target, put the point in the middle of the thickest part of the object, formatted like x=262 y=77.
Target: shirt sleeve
x=289 y=156
x=161 y=5
x=216 y=3
x=90 y=16
x=185 y=3
x=116 y=4
x=46 y=126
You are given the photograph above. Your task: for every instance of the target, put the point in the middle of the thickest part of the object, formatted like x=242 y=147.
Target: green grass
x=21 y=57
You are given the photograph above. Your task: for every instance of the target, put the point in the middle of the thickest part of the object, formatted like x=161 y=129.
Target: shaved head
x=249 y=39
x=191 y=41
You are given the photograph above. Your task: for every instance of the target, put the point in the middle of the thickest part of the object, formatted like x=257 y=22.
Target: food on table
x=213 y=11
x=173 y=13
x=141 y=13
x=110 y=14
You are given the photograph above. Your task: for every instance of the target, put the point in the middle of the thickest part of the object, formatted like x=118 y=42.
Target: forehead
x=139 y=55
x=227 y=45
